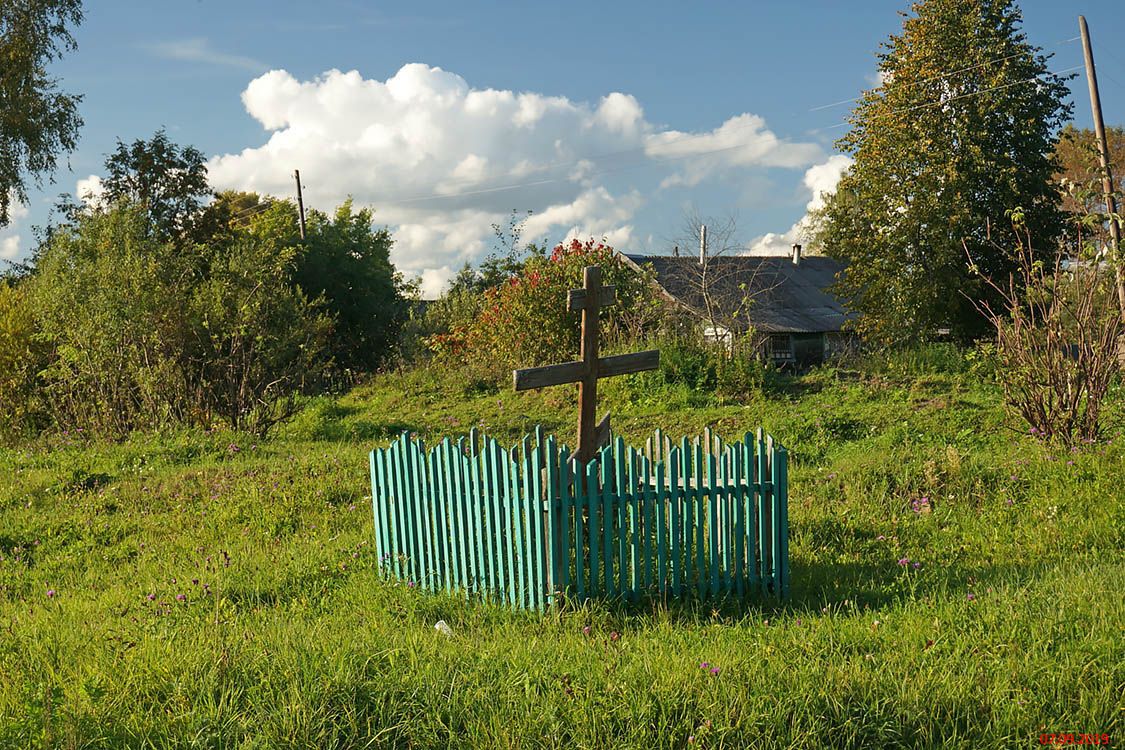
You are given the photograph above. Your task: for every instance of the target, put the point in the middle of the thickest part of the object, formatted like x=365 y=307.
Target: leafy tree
x=1080 y=172
x=960 y=131
x=258 y=341
x=345 y=264
x=37 y=121
x=167 y=181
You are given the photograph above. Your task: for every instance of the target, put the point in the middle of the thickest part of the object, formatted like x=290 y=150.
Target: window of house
x=780 y=346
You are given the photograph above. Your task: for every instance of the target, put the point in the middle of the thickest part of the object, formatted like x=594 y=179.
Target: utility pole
x=300 y=204
x=1107 y=172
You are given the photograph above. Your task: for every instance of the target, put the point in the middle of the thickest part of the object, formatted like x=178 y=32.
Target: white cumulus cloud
x=9 y=235
x=90 y=190
x=819 y=179
x=441 y=161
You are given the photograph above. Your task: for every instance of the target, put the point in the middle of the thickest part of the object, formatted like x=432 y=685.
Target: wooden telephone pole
x=300 y=204
x=1107 y=171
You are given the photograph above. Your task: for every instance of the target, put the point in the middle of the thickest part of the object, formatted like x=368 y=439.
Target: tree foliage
x=346 y=265
x=22 y=355
x=960 y=131
x=1080 y=171
x=168 y=182
x=37 y=121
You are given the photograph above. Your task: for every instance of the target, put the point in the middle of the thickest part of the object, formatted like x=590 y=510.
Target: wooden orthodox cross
x=586 y=371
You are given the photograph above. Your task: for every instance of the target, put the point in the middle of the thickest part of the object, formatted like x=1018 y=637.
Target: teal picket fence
x=527 y=524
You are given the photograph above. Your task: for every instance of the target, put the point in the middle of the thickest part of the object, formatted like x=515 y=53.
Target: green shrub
x=525 y=321
x=109 y=299
x=22 y=356
x=143 y=333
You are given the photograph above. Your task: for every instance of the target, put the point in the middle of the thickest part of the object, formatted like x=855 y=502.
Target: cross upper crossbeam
x=586 y=370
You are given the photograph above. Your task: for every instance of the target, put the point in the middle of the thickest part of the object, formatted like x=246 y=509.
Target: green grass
x=291 y=638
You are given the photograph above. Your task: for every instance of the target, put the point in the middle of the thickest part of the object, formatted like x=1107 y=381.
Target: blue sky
x=609 y=118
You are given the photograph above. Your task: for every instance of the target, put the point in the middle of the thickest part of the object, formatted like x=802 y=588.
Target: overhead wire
x=950 y=73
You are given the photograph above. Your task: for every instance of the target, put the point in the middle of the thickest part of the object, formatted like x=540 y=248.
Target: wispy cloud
x=198 y=49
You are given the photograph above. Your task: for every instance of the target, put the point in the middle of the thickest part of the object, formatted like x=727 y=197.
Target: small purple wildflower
x=971 y=596
x=151 y=597
x=181 y=598
x=715 y=671
x=705 y=665
x=917 y=565
x=904 y=561
x=881 y=538
x=586 y=630
x=50 y=593
x=410 y=584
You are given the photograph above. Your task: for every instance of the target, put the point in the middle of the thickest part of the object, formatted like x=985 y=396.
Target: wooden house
x=785 y=300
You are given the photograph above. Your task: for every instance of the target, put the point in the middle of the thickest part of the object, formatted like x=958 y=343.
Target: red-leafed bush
x=524 y=321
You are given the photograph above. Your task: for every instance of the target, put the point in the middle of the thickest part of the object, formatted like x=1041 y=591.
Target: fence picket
x=661 y=530
x=511 y=523
x=594 y=524
x=634 y=505
x=446 y=527
x=619 y=501
x=567 y=482
x=675 y=501
x=477 y=502
x=764 y=525
x=781 y=490
x=522 y=476
x=608 y=514
x=649 y=516
x=739 y=509
x=687 y=511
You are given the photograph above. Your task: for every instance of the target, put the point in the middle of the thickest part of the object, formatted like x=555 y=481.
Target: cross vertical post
x=588 y=385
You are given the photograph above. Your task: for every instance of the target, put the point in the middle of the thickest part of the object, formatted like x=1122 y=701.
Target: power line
x=945 y=75
x=931 y=105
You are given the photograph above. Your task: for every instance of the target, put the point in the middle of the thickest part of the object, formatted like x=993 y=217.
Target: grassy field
x=210 y=590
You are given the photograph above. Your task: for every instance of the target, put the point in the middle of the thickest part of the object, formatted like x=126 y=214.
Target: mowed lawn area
x=956 y=583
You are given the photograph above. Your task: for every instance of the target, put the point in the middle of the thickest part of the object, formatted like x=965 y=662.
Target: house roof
x=786 y=297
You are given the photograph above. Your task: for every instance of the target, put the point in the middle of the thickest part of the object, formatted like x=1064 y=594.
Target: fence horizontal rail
x=527 y=524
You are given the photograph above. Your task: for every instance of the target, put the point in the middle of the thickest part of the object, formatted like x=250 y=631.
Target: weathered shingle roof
x=786 y=297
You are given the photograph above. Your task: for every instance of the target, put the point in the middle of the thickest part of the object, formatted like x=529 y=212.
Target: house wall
x=808 y=349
